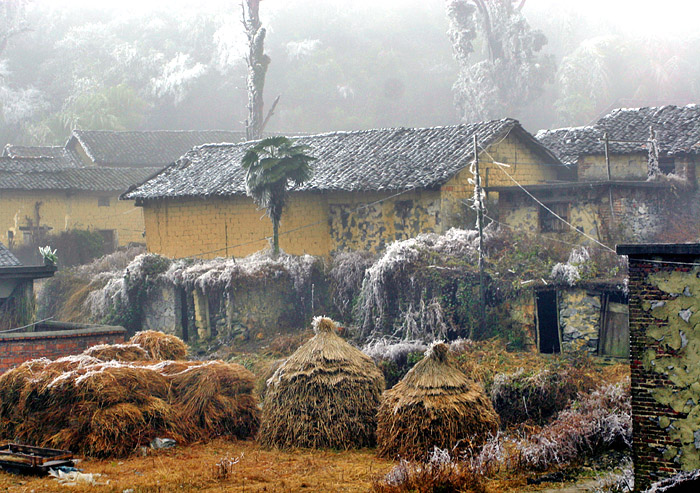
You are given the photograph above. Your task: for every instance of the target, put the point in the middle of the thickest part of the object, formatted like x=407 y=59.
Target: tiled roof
x=146 y=148
x=64 y=157
x=677 y=132
x=6 y=257
x=49 y=177
x=365 y=160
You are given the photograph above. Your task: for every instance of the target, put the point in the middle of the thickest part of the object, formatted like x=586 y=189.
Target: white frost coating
x=222 y=272
x=399 y=254
x=391 y=349
x=570 y=272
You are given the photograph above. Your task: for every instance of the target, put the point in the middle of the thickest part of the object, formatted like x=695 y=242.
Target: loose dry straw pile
x=109 y=408
x=434 y=405
x=325 y=395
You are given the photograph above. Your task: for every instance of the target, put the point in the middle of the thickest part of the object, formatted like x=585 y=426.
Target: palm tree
x=270 y=165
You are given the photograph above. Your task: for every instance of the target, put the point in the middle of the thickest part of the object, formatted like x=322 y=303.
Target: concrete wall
x=63 y=211
x=320 y=223
x=665 y=365
x=16 y=348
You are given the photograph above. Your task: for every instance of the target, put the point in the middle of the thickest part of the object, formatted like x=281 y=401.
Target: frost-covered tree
x=270 y=165
x=502 y=69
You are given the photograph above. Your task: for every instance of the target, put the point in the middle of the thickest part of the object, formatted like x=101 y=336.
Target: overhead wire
x=502 y=165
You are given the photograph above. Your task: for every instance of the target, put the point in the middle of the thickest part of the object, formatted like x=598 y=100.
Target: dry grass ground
x=193 y=468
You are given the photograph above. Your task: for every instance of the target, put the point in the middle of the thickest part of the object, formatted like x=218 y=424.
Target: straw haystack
x=118 y=352
x=160 y=346
x=325 y=395
x=434 y=405
x=110 y=408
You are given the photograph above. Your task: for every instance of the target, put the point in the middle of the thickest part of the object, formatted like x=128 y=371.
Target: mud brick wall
x=16 y=348
x=664 y=311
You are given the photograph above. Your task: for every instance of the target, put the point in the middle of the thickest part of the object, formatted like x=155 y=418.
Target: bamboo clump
x=325 y=395
x=434 y=405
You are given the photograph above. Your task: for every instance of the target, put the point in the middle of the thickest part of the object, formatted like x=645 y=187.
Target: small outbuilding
x=435 y=404
x=326 y=395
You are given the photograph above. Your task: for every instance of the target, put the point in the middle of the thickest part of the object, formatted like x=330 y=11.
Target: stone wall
x=664 y=316
x=54 y=341
x=579 y=320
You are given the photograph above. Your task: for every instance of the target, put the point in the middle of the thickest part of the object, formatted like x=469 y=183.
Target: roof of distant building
x=44 y=174
x=156 y=148
x=7 y=259
x=63 y=157
x=677 y=131
x=390 y=159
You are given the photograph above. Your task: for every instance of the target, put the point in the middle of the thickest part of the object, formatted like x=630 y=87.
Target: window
x=550 y=223
x=667 y=165
x=103 y=202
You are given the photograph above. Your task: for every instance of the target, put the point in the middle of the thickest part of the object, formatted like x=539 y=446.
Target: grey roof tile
x=49 y=177
x=64 y=157
x=366 y=160
x=677 y=132
x=156 y=148
x=7 y=259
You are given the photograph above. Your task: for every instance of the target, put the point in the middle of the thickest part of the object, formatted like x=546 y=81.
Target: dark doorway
x=548 y=322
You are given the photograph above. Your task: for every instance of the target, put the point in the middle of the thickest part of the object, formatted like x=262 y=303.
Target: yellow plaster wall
x=233 y=227
x=622 y=167
x=524 y=166
x=63 y=211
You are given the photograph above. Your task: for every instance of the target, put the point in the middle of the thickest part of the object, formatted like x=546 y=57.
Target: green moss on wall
x=678 y=333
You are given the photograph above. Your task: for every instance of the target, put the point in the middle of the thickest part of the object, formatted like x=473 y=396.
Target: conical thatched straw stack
x=434 y=405
x=326 y=395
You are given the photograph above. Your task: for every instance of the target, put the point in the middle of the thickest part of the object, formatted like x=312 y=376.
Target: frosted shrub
x=347 y=271
x=617 y=482
x=222 y=273
x=440 y=472
x=570 y=273
x=391 y=349
x=396 y=261
x=597 y=421
x=394 y=357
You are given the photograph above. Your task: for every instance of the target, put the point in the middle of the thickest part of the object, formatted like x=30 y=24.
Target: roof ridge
x=513 y=121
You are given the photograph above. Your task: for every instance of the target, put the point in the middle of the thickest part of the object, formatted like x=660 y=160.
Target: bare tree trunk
x=257 y=62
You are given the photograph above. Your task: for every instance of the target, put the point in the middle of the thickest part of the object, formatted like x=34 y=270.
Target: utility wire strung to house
x=503 y=165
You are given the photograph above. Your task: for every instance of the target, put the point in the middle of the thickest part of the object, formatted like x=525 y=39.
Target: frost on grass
x=621 y=481
x=597 y=421
x=397 y=267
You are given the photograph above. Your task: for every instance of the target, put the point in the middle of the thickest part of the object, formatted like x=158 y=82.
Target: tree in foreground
x=270 y=165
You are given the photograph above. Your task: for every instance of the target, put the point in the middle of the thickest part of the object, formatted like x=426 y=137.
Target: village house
x=613 y=200
x=619 y=198
x=48 y=189
x=40 y=195
x=369 y=188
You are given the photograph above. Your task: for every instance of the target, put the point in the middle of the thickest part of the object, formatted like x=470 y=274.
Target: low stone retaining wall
x=53 y=340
